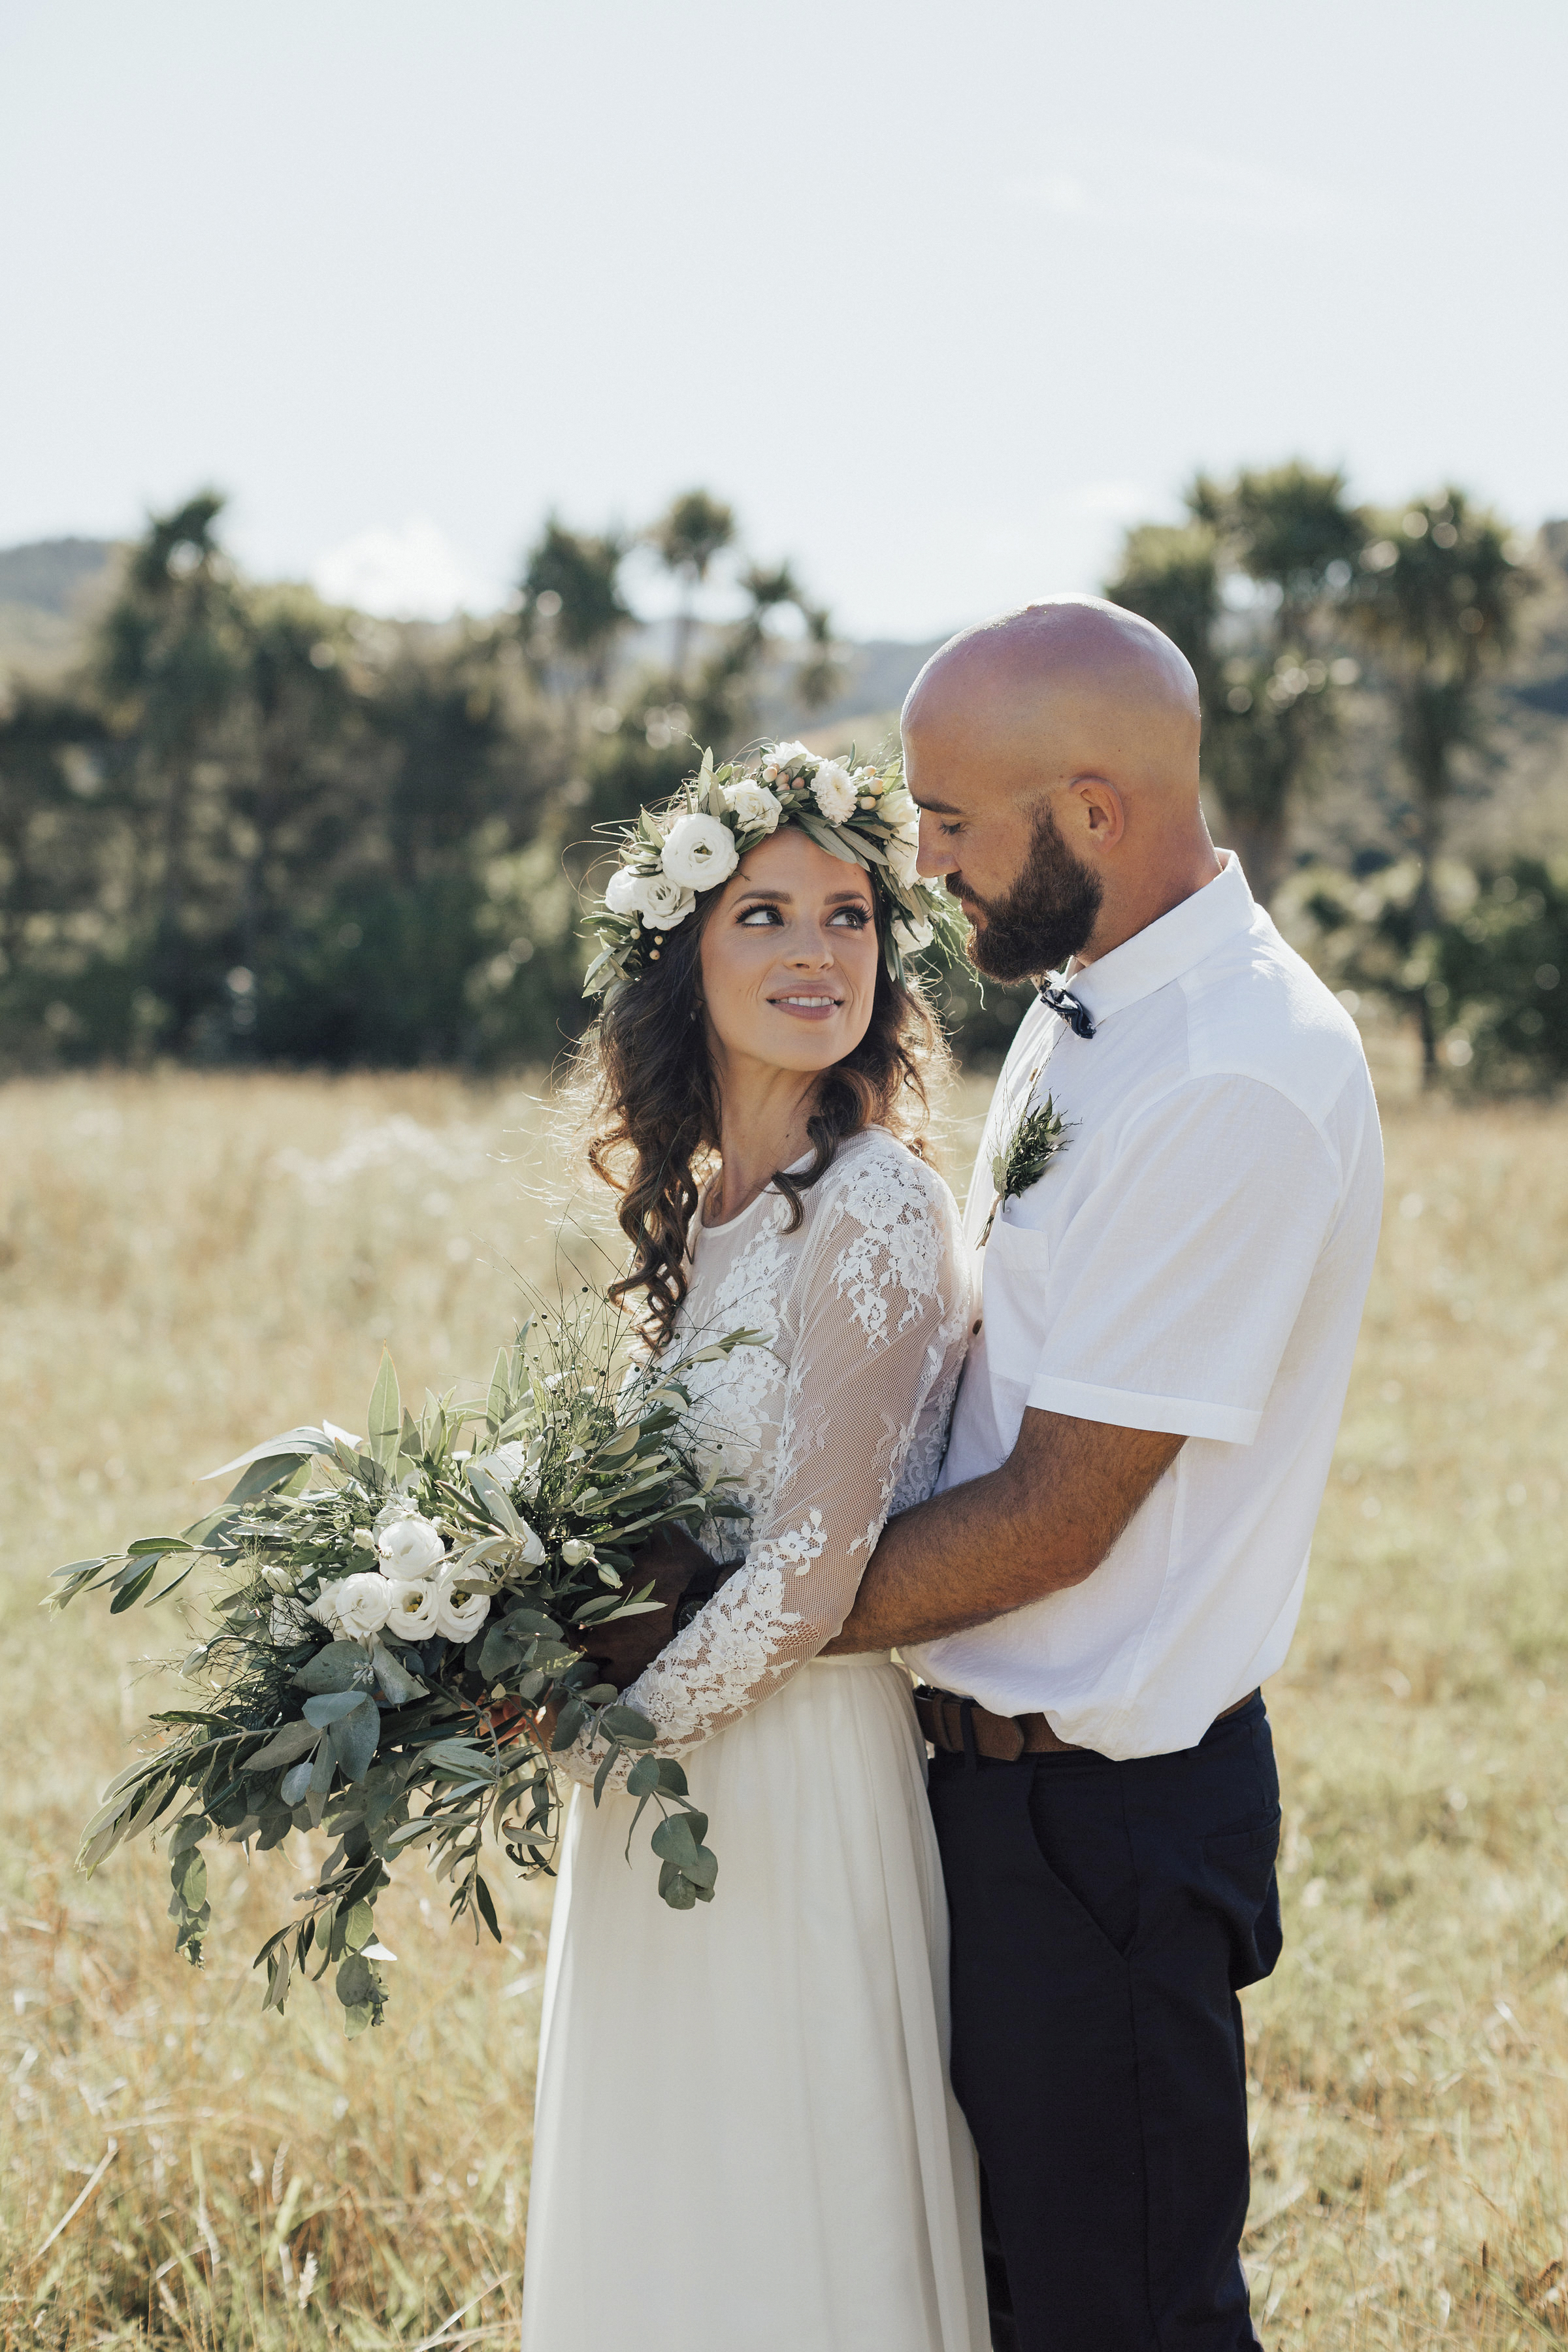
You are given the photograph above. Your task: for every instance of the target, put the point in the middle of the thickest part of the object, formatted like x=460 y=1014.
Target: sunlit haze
x=939 y=298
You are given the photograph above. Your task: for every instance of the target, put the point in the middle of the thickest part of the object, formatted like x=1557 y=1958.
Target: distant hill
x=48 y=589
x=52 y=574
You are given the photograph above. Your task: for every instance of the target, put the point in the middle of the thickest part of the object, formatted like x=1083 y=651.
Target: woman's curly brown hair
x=653 y=1117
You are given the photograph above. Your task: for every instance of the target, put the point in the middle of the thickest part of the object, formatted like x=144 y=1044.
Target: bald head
x=1070 y=685
x=1070 y=723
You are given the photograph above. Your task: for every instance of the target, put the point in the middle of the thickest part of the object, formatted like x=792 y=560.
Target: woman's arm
x=883 y=1312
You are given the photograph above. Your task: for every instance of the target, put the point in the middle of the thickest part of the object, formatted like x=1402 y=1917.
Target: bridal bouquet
x=394 y=1616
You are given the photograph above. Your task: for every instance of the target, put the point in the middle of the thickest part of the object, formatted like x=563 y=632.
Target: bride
x=744 y=2138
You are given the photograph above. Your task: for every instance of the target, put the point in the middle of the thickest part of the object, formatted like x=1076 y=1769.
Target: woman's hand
x=669 y=1561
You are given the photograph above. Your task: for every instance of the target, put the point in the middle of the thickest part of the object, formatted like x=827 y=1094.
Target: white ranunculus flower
x=904 y=854
x=460 y=1619
x=415 y=1612
x=623 y=893
x=788 y=753
x=363 y=1603
x=833 y=790
x=411 y=1549
x=664 y=902
x=754 y=805
x=700 y=852
x=911 y=938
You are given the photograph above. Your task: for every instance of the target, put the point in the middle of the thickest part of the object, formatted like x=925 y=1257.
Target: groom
x=1115 y=1557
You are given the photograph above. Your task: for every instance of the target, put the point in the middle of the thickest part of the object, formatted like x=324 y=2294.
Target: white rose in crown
x=700 y=852
x=623 y=892
x=664 y=901
x=755 y=807
x=904 y=854
x=411 y=1550
x=458 y=1617
x=415 y=1610
x=911 y=938
x=787 y=754
x=833 y=790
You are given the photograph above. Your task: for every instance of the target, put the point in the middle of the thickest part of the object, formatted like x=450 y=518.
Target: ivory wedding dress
x=744 y=2140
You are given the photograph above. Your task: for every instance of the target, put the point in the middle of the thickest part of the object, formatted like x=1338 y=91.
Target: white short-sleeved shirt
x=1194 y=1260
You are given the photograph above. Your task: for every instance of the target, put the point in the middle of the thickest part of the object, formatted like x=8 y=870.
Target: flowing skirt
x=744 y=2139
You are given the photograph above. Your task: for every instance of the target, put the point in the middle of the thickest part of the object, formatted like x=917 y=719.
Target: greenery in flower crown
x=861 y=815
x=394 y=1614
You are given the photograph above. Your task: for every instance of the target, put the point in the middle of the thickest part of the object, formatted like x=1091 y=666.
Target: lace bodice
x=840 y=1420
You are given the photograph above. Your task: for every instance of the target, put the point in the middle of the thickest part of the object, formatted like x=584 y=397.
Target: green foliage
x=572 y=601
x=1035 y=1140
x=1268 y=659
x=391 y=1737
x=257 y=828
x=1486 y=971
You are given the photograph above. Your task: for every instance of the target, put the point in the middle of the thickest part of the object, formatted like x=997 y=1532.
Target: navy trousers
x=1104 y=1916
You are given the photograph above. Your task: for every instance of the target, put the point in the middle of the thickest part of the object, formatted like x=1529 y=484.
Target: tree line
x=255 y=825
x=258 y=825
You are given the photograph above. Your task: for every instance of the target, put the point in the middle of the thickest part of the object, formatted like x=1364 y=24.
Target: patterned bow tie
x=1078 y=1016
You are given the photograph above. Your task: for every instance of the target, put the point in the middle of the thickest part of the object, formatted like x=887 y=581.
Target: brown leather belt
x=1002 y=1738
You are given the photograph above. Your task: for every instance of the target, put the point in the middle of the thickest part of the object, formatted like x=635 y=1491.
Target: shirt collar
x=1167 y=948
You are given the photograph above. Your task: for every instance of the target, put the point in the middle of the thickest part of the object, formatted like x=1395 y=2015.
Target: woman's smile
x=804 y=1005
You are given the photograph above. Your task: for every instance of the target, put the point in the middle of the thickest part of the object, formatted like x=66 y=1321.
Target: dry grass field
x=186 y=1262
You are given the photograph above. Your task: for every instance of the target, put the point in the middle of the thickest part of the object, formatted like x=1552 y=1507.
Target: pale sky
x=939 y=296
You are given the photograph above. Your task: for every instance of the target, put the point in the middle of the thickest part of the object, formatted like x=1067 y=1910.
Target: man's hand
x=669 y=1561
x=1044 y=1521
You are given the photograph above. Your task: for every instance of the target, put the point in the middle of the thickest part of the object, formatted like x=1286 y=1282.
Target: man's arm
x=1043 y=1521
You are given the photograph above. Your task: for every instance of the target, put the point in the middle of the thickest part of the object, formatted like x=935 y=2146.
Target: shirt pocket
x=1016 y=1264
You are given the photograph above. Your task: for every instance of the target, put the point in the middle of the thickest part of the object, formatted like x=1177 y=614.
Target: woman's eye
x=856 y=917
x=759 y=917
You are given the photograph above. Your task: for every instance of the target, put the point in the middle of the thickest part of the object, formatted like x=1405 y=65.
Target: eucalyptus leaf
x=285 y=1747
x=354 y=1736
x=394 y=1682
x=338 y=1667
x=331 y=1706
x=355 y=1980
x=626 y=1723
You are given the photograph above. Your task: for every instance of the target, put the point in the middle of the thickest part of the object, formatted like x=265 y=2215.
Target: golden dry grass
x=171 y=1282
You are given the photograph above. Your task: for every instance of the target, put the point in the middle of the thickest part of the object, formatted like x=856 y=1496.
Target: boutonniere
x=1037 y=1137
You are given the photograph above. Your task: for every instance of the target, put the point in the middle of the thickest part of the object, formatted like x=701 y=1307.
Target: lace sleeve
x=883 y=1319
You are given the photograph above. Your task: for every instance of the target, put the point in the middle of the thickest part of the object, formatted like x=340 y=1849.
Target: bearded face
x=1045 y=917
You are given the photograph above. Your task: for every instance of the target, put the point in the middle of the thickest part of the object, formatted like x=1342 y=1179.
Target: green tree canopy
x=1250 y=586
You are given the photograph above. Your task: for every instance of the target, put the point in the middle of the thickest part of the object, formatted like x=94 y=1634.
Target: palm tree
x=1438 y=602
x=692 y=531
x=171 y=656
x=572 y=597
x=1265 y=670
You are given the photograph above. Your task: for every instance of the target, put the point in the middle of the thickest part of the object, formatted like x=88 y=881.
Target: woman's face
x=789 y=956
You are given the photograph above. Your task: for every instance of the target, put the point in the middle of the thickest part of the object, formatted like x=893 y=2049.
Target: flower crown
x=864 y=816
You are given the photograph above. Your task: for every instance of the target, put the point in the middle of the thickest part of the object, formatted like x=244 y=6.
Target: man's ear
x=1100 y=813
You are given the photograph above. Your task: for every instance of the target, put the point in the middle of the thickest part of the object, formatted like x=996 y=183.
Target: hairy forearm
x=951 y=1563
x=1041 y=1523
